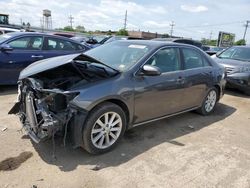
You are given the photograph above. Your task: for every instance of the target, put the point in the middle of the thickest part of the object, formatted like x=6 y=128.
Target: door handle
x=36 y=56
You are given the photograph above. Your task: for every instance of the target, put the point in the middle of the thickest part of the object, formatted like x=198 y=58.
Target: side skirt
x=163 y=117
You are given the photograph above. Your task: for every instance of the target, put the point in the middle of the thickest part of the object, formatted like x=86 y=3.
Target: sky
x=192 y=19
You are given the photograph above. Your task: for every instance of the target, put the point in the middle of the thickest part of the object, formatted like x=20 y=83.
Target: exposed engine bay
x=44 y=106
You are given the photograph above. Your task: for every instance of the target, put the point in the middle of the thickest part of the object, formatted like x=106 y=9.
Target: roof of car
x=13 y=34
x=154 y=44
x=241 y=46
x=31 y=33
x=16 y=34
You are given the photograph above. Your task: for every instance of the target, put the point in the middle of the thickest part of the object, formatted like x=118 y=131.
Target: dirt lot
x=184 y=151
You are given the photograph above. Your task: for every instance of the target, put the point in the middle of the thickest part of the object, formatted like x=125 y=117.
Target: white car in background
x=4 y=30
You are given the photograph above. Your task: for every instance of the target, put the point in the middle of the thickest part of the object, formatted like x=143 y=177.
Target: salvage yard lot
x=188 y=150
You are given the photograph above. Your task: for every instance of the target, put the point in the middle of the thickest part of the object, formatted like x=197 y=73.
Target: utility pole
x=172 y=24
x=125 y=20
x=71 y=18
x=210 y=36
x=246 y=26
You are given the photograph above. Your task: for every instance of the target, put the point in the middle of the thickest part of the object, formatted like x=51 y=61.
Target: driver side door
x=157 y=96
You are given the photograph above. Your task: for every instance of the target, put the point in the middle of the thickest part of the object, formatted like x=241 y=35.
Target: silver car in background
x=236 y=61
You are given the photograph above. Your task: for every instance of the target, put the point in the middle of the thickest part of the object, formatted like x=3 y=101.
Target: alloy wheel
x=106 y=130
x=210 y=100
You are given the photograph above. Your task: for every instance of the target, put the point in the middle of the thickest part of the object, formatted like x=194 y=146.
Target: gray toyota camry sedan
x=96 y=96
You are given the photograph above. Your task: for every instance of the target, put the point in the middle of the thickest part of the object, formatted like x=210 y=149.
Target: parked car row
x=93 y=41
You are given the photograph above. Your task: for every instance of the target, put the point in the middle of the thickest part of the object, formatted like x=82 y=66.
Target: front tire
x=209 y=103
x=104 y=128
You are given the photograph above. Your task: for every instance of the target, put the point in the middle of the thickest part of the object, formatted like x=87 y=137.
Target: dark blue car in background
x=20 y=49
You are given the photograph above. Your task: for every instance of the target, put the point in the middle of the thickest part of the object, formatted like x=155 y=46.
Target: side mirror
x=149 y=70
x=5 y=48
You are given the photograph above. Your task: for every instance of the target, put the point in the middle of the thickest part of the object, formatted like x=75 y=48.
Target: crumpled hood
x=231 y=62
x=54 y=62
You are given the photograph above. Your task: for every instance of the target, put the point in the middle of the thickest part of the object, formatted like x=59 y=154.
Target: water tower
x=47 y=19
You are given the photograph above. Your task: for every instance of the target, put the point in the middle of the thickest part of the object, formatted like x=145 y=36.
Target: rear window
x=193 y=59
x=62 y=45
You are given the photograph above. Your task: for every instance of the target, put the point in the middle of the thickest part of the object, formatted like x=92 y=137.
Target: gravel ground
x=188 y=150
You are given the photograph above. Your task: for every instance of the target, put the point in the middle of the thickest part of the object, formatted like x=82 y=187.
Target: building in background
x=144 y=35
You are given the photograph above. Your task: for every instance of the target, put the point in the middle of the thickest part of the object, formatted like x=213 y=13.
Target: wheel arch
x=119 y=103
x=218 y=90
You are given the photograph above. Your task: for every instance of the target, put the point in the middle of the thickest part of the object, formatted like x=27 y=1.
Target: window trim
x=20 y=37
x=56 y=38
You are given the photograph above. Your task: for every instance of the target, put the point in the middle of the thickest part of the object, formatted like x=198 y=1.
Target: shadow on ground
x=13 y=163
x=8 y=90
x=236 y=93
x=135 y=142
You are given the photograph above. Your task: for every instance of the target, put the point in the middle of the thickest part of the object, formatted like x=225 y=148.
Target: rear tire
x=209 y=103
x=104 y=128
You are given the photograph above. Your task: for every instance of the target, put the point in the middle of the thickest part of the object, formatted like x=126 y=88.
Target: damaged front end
x=43 y=112
x=46 y=90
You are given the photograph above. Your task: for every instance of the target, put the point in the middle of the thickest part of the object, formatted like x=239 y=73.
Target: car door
x=25 y=50
x=157 y=96
x=56 y=46
x=198 y=76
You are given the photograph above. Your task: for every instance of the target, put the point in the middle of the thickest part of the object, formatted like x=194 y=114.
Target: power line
x=71 y=18
x=125 y=20
x=172 y=24
x=211 y=25
x=246 y=26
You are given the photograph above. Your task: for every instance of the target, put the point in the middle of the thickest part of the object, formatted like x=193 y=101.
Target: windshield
x=237 y=53
x=119 y=55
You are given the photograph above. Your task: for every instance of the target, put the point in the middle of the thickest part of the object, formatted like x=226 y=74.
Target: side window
x=59 y=44
x=167 y=60
x=27 y=43
x=193 y=59
x=37 y=43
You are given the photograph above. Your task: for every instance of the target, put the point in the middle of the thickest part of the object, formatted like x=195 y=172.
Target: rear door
x=56 y=46
x=26 y=50
x=198 y=76
x=157 y=96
